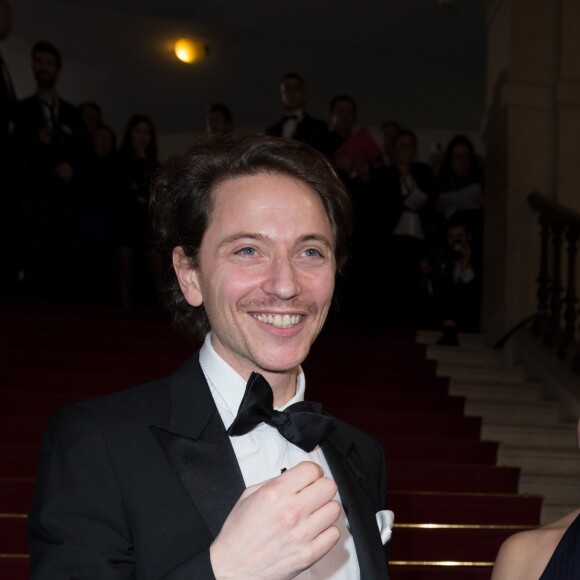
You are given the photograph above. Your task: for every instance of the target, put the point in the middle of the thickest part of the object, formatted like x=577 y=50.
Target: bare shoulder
x=524 y=555
x=518 y=557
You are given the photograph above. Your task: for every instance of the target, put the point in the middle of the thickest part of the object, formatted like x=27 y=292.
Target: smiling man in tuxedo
x=222 y=470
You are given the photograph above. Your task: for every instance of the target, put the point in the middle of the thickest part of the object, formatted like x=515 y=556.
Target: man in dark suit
x=200 y=475
x=295 y=122
x=48 y=140
x=10 y=207
x=7 y=95
x=404 y=201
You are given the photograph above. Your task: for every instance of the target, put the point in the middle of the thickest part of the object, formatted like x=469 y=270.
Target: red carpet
x=453 y=505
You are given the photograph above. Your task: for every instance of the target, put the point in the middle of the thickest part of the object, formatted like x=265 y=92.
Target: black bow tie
x=289 y=117
x=303 y=424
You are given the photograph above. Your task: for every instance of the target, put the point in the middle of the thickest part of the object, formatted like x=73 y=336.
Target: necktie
x=51 y=108
x=303 y=423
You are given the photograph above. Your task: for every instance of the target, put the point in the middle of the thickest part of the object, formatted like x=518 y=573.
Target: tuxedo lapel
x=344 y=462
x=197 y=446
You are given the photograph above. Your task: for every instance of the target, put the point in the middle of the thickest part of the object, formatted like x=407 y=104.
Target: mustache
x=295 y=304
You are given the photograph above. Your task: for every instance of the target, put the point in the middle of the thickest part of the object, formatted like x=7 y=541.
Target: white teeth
x=279 y=320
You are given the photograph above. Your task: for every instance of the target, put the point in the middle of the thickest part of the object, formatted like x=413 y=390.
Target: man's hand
x=278 y=528
x=464 y=249
x=425 y=266
x=45 y=135
x=64 y=172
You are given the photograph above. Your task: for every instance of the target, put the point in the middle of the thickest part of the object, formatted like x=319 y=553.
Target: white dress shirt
x=263 y=453
x=291 y=123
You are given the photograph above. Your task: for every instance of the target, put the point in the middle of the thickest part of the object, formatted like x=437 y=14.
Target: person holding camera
x=452 y=283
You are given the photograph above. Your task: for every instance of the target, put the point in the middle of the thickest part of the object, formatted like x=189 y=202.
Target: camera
x=442 y=260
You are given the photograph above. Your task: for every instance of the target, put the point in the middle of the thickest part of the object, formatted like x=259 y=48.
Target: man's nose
x=282 y=279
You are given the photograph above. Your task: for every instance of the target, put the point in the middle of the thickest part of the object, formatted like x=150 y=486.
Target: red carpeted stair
x=453 y=505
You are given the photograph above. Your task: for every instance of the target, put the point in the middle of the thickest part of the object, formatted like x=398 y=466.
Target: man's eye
x=313 y=252
x=247 y=252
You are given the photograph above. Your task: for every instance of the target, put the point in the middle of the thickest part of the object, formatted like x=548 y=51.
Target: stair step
x=75 y=339
x=15 y=495
x=439 y=571
x=411 y=378
x=484 y=373
x=466 y=339
x=444 y=450
x=337 y=399
x=80 y=385
x=384 y=424
x=558 y=436
x=25 y=431
x=554 y=510
x=465 y=355
x=13 y=534
x=16 y=567
x=155 y=365
x=538 y=413
x=563 y=487
x=557 y=461
x=18 y=461
x=493 y=391
x=447 y=544
x=464 y=508
x=21 y=404
x=406 y=476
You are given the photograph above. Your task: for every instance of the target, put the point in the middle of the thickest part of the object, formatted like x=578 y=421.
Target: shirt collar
x=229 y=384
x=299 y=114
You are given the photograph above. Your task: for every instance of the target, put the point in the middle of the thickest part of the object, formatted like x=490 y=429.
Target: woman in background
x=98 y=182
x=460 y=188
x=139 y=273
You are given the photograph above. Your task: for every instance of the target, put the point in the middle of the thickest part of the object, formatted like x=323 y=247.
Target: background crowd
x=75 y=207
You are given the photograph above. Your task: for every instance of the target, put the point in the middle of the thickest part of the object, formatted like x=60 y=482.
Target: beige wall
x=568 y=106
x=532 y=137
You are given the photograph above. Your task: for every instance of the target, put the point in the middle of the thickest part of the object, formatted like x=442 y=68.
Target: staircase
x=454 y=428
x=454 y=502
x=532 y=430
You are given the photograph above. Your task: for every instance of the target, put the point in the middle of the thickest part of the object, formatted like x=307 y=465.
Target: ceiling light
x=189 y=51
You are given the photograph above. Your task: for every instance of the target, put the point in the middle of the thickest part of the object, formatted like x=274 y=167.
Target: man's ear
x=187 y=277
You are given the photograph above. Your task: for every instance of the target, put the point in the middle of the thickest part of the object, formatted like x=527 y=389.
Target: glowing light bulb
x=189 y=51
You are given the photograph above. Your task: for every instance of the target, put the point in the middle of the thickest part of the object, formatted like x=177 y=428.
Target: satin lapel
x=197 y=446
x=344 y=460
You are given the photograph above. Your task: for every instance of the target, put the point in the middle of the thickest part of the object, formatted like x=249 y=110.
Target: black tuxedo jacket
x=390 y=197
x=137 y=485
x=309 y=130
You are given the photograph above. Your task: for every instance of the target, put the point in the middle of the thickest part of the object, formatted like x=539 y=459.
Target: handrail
x=498 y=345
x=557 y=317
x=544 y=204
